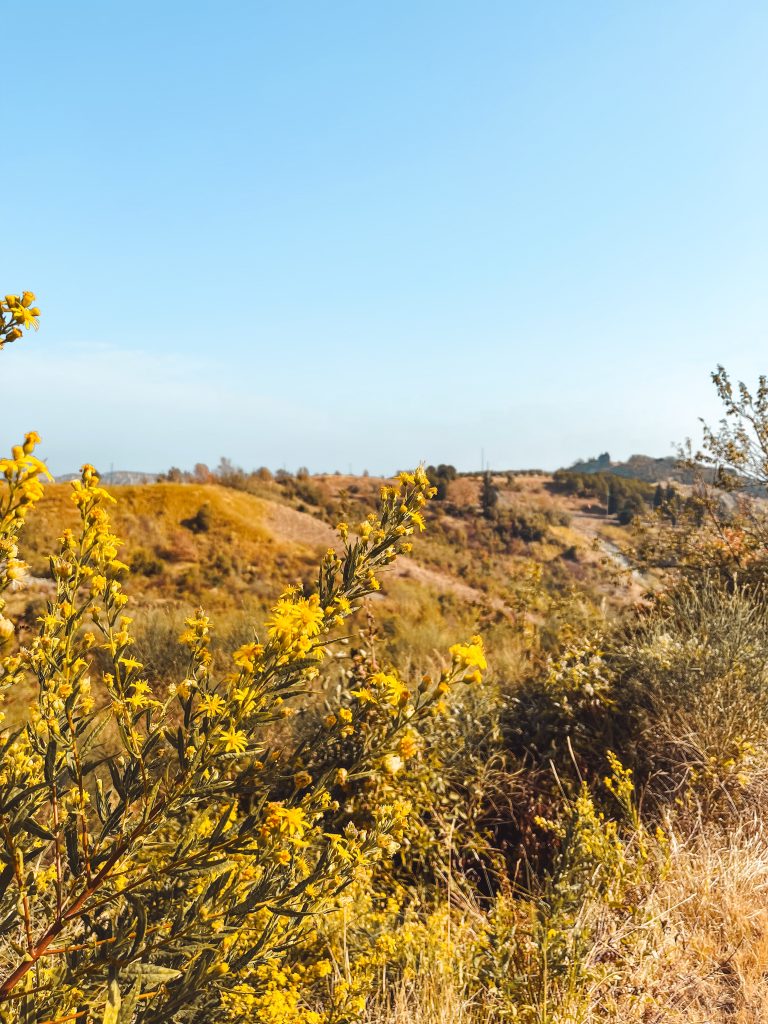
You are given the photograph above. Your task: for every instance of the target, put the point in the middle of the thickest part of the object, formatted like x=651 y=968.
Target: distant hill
x=639 y=467
x=234 y=550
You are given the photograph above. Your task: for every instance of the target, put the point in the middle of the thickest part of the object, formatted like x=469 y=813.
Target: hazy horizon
x=349 y=236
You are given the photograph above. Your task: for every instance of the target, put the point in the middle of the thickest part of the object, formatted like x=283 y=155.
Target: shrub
x=540 y=946
x=201 y=521
x=691 y=685
x=628 y=508
x=680 y=691
x=145 y=563
x=124 y=849
x=489 y=495
x=722 y=525
x=134 y=884
x=521 y=524
x=440 y=477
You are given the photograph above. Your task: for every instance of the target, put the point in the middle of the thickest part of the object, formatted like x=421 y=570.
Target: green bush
x=691 y=689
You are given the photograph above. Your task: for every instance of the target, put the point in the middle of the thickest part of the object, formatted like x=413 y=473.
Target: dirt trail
x=408 y=569
x=286 y=524
x=588 y=525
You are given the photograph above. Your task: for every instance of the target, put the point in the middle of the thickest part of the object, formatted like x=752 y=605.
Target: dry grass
x=709 y=960
x=430 y=1000
x=696 y=952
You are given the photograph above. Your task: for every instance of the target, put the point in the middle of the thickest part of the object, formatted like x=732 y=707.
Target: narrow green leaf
x=112 y=1009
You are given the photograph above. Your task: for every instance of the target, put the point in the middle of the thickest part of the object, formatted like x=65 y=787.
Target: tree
x=489 y=496
x=202 y=473
x=440 y=478
x=631 y=506
x=202 y=520
x=737 y=450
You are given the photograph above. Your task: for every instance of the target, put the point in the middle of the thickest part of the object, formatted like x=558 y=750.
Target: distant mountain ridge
x=638 y=467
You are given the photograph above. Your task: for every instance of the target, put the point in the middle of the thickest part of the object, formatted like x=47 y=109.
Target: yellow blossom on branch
x=234 y=740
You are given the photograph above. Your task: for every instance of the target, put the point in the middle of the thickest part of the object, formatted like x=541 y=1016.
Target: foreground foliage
x=137 y=882
x=285 y=827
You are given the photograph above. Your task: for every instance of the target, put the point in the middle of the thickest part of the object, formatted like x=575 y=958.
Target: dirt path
x=588 y=524
x=405 y=568
x=286 y=524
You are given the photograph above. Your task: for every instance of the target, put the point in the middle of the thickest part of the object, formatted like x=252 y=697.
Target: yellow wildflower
x=234 y=740
x=212 y=705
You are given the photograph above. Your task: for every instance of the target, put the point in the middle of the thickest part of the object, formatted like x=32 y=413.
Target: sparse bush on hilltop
x=440 y=477
x=598 y=464
x=202 y=520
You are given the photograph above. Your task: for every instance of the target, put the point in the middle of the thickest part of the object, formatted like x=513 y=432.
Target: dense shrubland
x=345 y=814
x=620 y=496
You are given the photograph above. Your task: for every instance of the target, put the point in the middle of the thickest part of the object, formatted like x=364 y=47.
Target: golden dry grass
x=696 y=952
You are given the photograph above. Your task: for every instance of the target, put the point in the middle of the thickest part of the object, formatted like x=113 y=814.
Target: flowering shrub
x=546 y=960
x=138 y=880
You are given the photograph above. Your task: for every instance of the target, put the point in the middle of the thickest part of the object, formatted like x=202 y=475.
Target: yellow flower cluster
x=295 y=624
x=22 y=473
x=17 y=314
x=290 y=822
x=126 y=791
x=384 y=689
x=116 y=793
x=247 y=656
x=277 y=994
x=471 y=658
x=197 y=637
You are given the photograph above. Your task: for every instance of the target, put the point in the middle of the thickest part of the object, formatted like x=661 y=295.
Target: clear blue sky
x=345 y=233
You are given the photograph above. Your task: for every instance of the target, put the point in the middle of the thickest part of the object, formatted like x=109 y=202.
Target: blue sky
x=363 y=234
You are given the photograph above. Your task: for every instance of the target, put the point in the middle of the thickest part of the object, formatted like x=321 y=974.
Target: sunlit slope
x=228 y=548
x=182 y=539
